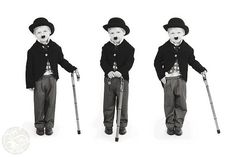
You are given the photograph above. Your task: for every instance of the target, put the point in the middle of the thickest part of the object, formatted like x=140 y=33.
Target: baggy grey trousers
x=175 y=102
x=44 y=101
x=110 y=102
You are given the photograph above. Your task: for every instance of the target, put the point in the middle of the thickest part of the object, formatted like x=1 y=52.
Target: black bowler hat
x=41 y=22
x=117 y=22
x=176 y=22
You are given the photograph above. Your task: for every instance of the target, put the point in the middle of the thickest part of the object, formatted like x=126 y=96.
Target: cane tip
x=78 y=131
x=218 y=131
x=117 y=139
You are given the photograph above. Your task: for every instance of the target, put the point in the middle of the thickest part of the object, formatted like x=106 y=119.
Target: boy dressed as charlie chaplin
x=171 y=64
x=42 y=73
x=116 y=61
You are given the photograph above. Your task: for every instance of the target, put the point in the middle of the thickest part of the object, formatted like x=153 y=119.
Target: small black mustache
x=176 y=38
x=43 y=36
x=115 y=38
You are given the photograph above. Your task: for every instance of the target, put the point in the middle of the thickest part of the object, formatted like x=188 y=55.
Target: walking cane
x=211 y=102
x=119 y=108
x=75 y=101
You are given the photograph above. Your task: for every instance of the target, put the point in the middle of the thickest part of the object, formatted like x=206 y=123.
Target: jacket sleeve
x=195 y=64
x=129 y=63
x=29 y=75
x=158 y=64
x=64 y=63
x=104 y=63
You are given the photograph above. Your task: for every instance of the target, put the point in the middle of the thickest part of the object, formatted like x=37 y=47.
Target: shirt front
x=174 y=71
x=48 y=68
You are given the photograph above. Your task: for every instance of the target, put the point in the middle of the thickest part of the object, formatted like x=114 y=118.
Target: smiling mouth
x=176 y=38
x=43 y=36
x=115 y=38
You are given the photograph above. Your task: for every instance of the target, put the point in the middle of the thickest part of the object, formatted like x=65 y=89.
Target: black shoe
x=40 y=132
x=178 y=131
x=170 y=131
x=108 y=131
x=122 y=131
x=49 y=131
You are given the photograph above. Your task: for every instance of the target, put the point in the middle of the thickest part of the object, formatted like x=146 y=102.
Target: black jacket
x=37 y=58
x=122 y=54
x=166 y=57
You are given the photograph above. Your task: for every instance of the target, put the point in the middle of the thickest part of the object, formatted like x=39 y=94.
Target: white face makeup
x=116 y=34
x=176 y=35
x=42 y=33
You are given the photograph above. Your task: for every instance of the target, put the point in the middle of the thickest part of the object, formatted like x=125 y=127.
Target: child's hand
x=204 y=73
x=163 y=80
x=77 y=74
x=111 y=74
x=117 y=74
x=31 y=89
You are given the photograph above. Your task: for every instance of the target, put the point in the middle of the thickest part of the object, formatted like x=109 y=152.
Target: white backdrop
x=78 y=29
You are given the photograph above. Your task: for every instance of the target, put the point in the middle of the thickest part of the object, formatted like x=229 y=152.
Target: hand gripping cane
x=119 y=108
x=75 y=101
x=212 y=107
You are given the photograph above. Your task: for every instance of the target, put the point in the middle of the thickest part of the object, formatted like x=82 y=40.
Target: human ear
x=124 y=32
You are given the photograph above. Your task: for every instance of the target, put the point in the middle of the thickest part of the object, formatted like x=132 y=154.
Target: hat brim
x=186 y=29
x=33 y=26
x=126 y=28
